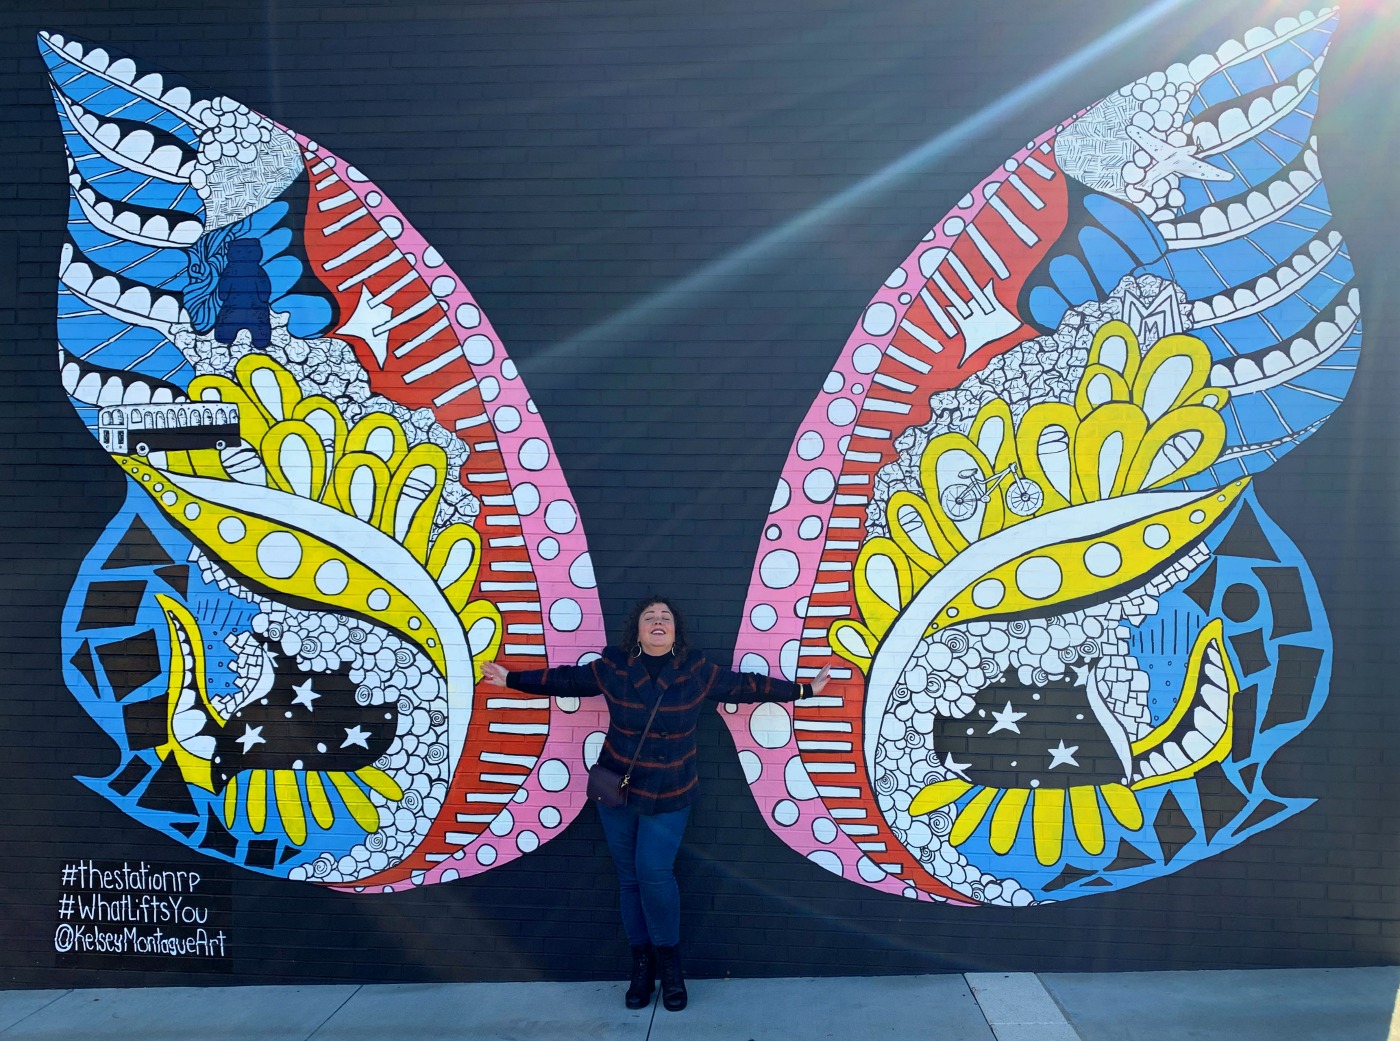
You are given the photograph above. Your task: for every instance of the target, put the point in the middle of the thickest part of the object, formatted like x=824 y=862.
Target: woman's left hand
x=819 y=681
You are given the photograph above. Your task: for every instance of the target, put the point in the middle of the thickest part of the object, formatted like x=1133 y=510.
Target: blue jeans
x=644 y=852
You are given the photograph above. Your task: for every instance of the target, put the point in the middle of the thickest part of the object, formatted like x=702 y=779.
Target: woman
x=652 y=662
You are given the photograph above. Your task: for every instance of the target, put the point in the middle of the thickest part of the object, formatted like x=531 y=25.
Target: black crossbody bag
x=608 y=787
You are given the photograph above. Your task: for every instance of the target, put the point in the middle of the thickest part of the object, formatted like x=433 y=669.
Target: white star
x=355 y=736
x=305 y=695
x=1062 y=756
x=955 y=767
x=251 y=736
x=1007 y=719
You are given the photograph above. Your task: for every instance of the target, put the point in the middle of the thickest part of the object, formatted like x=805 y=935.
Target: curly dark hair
x=628 y=634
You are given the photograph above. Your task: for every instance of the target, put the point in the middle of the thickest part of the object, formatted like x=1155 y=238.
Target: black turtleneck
x=655 y=663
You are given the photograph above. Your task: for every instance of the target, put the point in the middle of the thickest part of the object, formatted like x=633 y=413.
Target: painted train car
x=179 y=427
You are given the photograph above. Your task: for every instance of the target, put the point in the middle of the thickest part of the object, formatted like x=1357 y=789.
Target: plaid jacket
x=664 y=777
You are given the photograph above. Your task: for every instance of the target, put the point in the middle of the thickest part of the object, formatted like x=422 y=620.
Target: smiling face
x=656 y=629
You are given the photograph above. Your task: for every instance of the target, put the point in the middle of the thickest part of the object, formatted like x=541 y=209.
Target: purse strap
x=627 y=777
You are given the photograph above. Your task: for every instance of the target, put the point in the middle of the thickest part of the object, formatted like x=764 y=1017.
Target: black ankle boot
x=673 y=994
x=643 y=973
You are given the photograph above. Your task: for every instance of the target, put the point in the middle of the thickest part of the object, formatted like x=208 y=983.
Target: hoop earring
x=637 y=650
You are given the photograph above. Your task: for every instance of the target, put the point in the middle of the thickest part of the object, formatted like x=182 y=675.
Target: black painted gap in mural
x=1174 y=830
x=1246 y=538
x=1287 y=600
x=130 y=664
x=1294 y=682
x=137 y=548
x=1221 y=800
x=110 y=605
x=1249 y=651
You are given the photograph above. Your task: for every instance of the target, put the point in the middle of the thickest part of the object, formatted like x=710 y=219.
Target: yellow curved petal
x=231 y=802
x=412 y=498
x=1183 y=442
x=380 y=782
x=356 y=801
x=1043 y=441
x=1116 y=347
x=256 y=801
x=1006 y=818
x=359 y=486
x=938 y=795
x=1088 y=820
x=853 y=642
x=1104 y=447
x=289 y=806
x=1048 y=824
x=1211 y=397
x=950 y=470
x=326 y=419
x=1174 y=369
x=1123 y=804
x=994 y=434
x=379 y=434
x=321 y=810
x=971 y=815
x=883 y=583
x=187 y=668
x=271 y=387
x=454 y=561
x=1099 y=385
x=918 y=533
x=295 y=458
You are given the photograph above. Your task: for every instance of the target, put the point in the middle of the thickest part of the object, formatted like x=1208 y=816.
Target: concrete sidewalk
x=1238 y=1005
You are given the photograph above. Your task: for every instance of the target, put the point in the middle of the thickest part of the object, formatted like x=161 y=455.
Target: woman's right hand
x=494 y=675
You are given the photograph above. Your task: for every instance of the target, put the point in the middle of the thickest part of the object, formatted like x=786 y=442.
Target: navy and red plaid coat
x=664 y=777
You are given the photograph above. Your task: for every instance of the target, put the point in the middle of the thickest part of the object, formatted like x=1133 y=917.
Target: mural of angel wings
x=1020 y=511
x=340 y=500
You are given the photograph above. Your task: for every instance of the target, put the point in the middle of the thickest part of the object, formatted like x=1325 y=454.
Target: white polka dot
x=550 y=817
x=810 y=528
x=896 y=278
x=279 y=554
x=763 y=617
x=827 y=859
x=565 y=615
x=554 y=776
x=1102 y=559
x=592 y=746
x=468 y=316
x=987 y=593
x=581 y=572
x=752 y=764
x=393 y=227
x=432 y=258
x=332 y=578
x=231 y=529
x=506 y=419
x=415 y=623
x=353 y=172
x=192 y=511
x=841 y=412
x=754 y=662
x=448 y=875
x=378 y=600
x=799 y=783
x=170 y=498
x=869 y=870
x=879 y=319
x=834 y=382
x=866 y=358
x=549 y=548
x=929 y=260
x=953 y=227
x=490 y=388
x=503 y=825
x=810 y=445
x=786 y=813
x=772 y=533
x=566 y=704
x=823 y=829
x=478 y=349
x=508 y=371
x=779 y=568
x=1198 y=516
x=527 y=842
x=781 y=494
x=1038 y=577
x=527 y=499
x=819 y=485
x=560 y=516
x=443 y=285
x=373 y=198
x=534 y=454
x=486 y=855
x=1155 y=536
